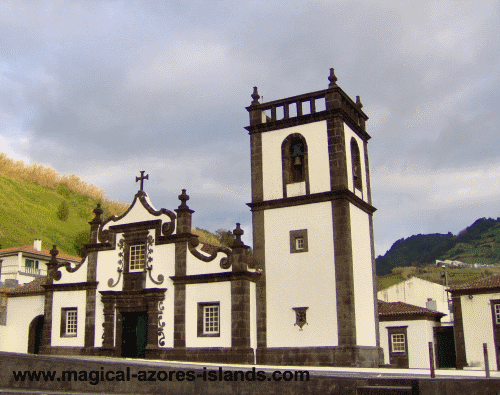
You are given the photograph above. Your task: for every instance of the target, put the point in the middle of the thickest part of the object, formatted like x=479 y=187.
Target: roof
x=483 y=285
x=401 y=309
x=43 y=251
x=34 y=287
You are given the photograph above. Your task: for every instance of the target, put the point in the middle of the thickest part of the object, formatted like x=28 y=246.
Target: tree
x=63 y=211
x=81 y=239
x=225 y=237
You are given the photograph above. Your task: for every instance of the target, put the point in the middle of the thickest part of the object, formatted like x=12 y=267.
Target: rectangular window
x=299 y=243
x=497 y=314
x=209 y=319
x=137 y=257
x=31 y=266
x=69 y=321
x=398 y=342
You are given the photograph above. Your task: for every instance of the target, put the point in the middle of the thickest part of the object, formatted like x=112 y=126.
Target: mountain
x=478 y=243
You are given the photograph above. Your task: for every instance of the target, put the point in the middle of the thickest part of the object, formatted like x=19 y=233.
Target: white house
x=145 y=288
x=21 y=265
x=405 y=333
x=476 y=307
x=418 y=292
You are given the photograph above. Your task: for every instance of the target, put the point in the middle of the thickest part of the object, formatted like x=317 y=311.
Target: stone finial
x=183 y=197
x=238 y=232
x=255 y=96
x=98 y=212
x=358 y=102
x=53 y=254
x=333 y=79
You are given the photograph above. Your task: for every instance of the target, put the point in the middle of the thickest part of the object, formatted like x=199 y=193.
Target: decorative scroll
x=120 y=268
x=67 y=265
x=225 y=262
x=149 y=267
x=161 y=324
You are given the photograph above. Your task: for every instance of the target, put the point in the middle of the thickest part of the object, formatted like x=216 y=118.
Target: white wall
x=478 y=329
x=416 y=291
x=419 y=332
x=196 y=266
x=317 y=148
x=212 y=292
x=20 y=312
x=305 y=279
x=349 y=133
x=68 y=299
x=363 y=278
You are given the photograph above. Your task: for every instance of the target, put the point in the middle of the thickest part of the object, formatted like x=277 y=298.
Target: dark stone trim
x=200 y=321
x=458 y=327
x=90 y=310
x=314 y=198
x=180 y=296
x=240 y=314
x=47 y=322
x=256 y=167
x=367 y=172
x=260 y=264
x=344 y=276
x=64 y=312
x=72 y=286
x=20 y=295
x=216 y=277
x=296 y=234
x=348 y=356
x=215 y=355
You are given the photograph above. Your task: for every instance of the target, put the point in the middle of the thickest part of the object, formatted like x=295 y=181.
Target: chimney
x=431 y=304
x=37 y=244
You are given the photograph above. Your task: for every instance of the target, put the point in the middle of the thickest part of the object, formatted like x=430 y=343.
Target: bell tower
x=313 y=230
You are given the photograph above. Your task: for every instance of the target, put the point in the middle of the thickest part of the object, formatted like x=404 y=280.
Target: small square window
x=398 y=342
x=69 y=322
x=137 y=257
x=209 y=319
x=298 y=241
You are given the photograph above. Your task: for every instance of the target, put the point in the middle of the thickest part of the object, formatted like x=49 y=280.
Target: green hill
x=478 y=243
x=31 y=198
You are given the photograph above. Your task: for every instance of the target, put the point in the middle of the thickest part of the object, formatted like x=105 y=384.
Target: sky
x=103 y=89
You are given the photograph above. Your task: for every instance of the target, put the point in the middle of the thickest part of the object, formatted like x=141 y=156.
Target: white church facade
x=145 y=288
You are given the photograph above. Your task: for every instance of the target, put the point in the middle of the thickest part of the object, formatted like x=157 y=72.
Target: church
x=147 y=288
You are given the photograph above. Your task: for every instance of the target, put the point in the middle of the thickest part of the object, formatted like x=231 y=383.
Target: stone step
x=383 y=390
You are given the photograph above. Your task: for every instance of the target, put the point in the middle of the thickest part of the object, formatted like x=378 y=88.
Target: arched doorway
x=35 y=335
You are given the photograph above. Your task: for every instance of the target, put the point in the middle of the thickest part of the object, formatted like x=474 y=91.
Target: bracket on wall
x=120 y=268
x=149 y=267
x=300 y=316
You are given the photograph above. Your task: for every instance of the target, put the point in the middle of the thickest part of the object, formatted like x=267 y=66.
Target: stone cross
x=142 y=178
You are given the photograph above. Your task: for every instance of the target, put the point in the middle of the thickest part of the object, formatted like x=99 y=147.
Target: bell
x=297 y=161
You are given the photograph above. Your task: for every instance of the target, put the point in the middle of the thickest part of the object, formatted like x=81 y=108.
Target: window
x=31 y=266
x=356 y=165
x=69 y=322
x=497 y=314
x=294 y=162
x=298 y=241
x=209 y=319
x=137 y=257
x=398 y=342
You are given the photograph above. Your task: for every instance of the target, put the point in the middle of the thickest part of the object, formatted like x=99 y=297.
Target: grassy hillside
x=30 y=199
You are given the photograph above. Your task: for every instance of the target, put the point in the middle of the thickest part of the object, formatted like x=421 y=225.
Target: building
x=405 y=332
x=418 y=292
x=21 y=265
x=476 y=307
x=313 y=230
x=146 y=289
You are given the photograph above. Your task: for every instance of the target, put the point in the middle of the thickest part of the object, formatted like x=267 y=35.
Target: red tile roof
x=34 y=287
x=44 y=252
x=400 y=308
x=482 y=284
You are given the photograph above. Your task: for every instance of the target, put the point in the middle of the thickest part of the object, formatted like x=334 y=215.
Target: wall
x=317 y=147
x=212 y=292
x=20 y=312
x=290 y=278
x=68 y=299
x=419 y=332
x=415 y=291
x=363 y=278
x=478 y=329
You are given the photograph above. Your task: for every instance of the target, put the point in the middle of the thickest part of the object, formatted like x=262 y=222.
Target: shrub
x=63 y=211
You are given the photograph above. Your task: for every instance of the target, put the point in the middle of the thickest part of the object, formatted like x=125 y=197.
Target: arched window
x=295 y=166
x=357 y=179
